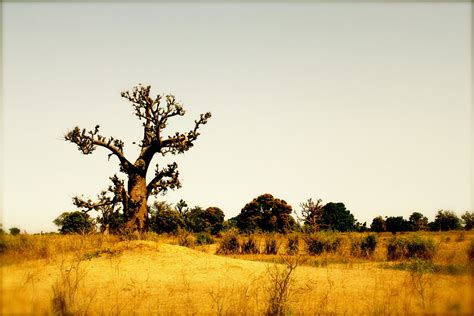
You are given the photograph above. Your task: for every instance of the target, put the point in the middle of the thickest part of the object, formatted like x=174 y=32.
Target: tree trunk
x=137 y=219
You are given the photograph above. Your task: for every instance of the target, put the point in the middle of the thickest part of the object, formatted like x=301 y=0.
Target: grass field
x=103 y=275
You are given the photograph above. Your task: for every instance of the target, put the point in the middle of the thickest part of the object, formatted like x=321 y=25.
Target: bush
x=413 y=247
x=14 y=231
x=368 y=245
x=250 y=246
x=229 y=243
x=74 y=223
x=322 y=242
x=204 y=239
x=293 y=244
x=271 y=245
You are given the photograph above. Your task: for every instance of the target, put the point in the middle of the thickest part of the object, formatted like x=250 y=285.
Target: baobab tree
x=155 y=113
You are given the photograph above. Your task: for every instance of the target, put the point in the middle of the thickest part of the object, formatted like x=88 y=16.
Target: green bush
x=14 y=231
x=293 y=244
x=250 y=246
x=271 y=245
x=204 y=239
x=230 y=243
x=322 y=242
x=368 y=244
x=413 y=247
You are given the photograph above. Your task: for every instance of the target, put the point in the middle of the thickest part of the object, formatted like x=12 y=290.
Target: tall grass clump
x=363 y=246
x=230 y=243
x=271 y=244
x=414 y=246
x=250 y=246
x=293 y=244
x=318 y=243
x=186 y=239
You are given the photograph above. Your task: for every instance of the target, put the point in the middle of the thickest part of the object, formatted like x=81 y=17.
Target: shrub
x=322 y=242
x=396 y=248
x=421 y=248
x=293 y=244
x=250 y=246
x=76 y=222
x=204 y=239
x=413 y=247
x=368 y=245
x=271 y=245
x=230 y=243
x=14 y=231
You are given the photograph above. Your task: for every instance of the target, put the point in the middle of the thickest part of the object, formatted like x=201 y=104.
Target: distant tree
x=468 y=219
x=265 y=213
x=418 y=221
x=76 y=222
x=165 y=219
x=182 y=207
x=14 y=231
x=1 y=229
x=361 y=227
x=231 y=223
x=397 y=224
x=205 y=220
x=337 y=217
x=378 y=224
x=155 y=113
x=445 y=220
x=311 y=214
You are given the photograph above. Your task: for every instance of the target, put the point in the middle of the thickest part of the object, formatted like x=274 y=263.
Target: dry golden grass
x=101 y=275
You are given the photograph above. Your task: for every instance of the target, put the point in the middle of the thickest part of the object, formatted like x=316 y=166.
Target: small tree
x=337 y=217
x=311 y=214
x=205 y=220
x=74 y=223
x=165 y=219
x=265 y=213
x=155 y=114
x=397 y=224
x=418 y=221
x=446 y=220
x=378 y=224
x=14 y=231
x=468 y=219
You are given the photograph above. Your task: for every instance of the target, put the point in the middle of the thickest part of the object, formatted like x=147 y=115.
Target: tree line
x=265 y=213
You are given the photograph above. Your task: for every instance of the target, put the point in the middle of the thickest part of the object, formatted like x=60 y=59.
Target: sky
x=368 y=104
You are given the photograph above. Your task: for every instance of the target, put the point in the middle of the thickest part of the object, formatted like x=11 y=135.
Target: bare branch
x=164 y=180
x=87 y=142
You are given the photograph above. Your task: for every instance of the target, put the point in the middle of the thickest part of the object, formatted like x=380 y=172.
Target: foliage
x=337 y=217
x=445 y=220
x=470 y=251
x=318 y=243
x=186 y=239
x=14 y=231
x=155 y=113
x=378 y=225
x=415 y=246
x=164 y=219
x=265 y=213
x=418 y=221
x=205 y=220
x=397 y=224
x=468 y=219
x=76 y=222
x=368 y=244
x=229 y=243
x=204 y=238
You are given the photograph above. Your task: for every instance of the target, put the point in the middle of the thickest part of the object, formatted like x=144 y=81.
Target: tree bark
x=137 y=221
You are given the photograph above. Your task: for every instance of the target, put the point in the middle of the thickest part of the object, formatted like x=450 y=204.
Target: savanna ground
x=107 y=275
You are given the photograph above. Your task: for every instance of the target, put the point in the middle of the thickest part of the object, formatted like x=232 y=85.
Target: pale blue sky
x=366 y=104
